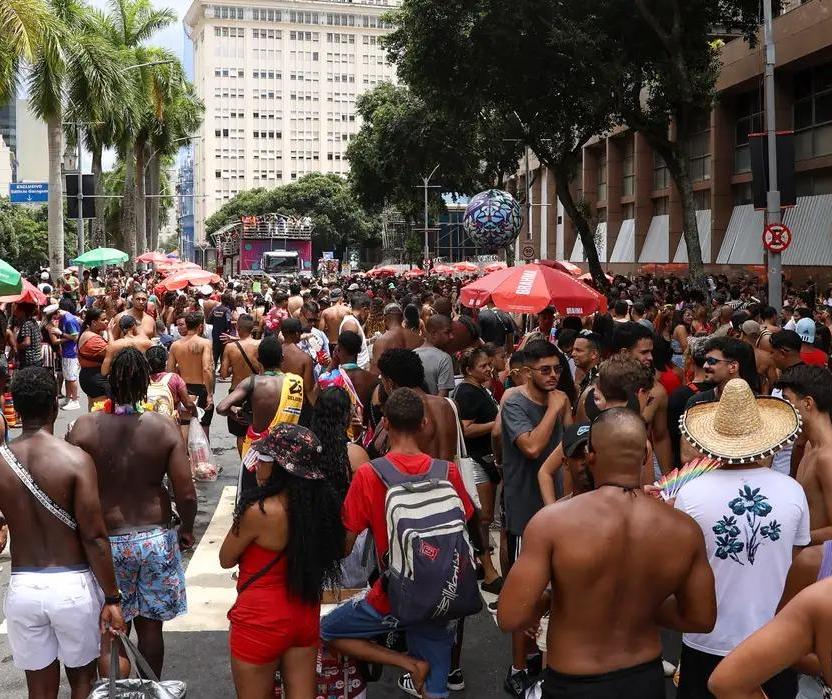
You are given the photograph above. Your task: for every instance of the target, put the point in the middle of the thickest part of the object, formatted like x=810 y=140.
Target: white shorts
x=71 y=368
x=53 y=615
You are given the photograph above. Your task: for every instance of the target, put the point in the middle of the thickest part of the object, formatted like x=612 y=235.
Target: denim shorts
x=430 y=642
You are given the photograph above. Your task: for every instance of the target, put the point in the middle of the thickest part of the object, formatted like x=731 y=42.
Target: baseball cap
x=336 y=293
x=575 y=437
x=750 y=327
x=353 y=287
x=806 y=329
x=392 y=309
x=206 y=290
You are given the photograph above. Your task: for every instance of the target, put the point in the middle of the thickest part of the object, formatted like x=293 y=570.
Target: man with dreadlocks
x=133 y=450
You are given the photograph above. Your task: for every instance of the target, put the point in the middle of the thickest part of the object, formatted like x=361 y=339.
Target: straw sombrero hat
x=740 y=428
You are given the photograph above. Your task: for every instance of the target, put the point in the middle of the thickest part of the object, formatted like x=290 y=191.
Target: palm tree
x=181 y=117
x=73 y=61
x=25 y=28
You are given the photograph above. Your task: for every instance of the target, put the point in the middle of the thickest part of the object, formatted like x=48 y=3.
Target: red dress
x=267 y=620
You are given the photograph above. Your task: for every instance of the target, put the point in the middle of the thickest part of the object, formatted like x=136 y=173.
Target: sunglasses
x=713 y=361
x=548 y=370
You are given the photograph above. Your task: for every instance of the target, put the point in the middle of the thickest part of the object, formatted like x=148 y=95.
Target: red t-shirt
x=364 y=507
x=813 y=356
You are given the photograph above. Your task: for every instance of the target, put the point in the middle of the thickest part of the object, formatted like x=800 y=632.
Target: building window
x=702 y=200
x=810 y=184
x=742 y=194
x=602 y=177
x=699 y=148
x=660 y=206
x=661 y=177
x=628 y=211
x=602 y=215
x=628 y=168
x=749 y=119
x=813 y=112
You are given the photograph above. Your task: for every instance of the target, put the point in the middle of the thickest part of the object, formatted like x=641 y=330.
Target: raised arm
x=519 y=602
x=534 y=441
x=208 y=371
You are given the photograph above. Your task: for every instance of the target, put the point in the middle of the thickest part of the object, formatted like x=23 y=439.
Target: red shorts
x=262 y=631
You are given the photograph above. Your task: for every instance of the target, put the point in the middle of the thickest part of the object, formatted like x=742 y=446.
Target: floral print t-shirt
x=751 y=518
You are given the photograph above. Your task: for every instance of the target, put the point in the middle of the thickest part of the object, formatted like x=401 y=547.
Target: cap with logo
x=575 y=437
x=806 y=329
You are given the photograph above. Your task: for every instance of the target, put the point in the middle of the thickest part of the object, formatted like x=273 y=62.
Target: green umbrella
x=101 y=256
x=10 y=280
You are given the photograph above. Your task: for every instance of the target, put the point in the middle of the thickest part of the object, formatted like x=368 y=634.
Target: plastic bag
x=199 y=450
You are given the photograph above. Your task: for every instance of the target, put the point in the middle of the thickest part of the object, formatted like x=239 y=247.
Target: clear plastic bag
x=199 y=450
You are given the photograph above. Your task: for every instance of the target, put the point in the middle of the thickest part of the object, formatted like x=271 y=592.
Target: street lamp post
x=775 y=276
x=426 y=185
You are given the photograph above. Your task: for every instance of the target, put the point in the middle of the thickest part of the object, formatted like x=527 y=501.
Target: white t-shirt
x=363 y=359
x=751 y=519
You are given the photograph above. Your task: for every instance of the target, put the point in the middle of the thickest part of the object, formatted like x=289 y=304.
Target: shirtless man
x=52 y=613
x=296 y=361
x=332 y=317
x=394 y=334
x=192 y=358
x=146 y=323
x=133 y=453
x=401 y=368
x=295 y=300
x=263 y=392
x=355 y=321
x=239 y=361
x=750 y=334
x=637 y=341
x=768 y=321
x=364 y=382
x=129 y=336
x=599 y=549
x=809 y=389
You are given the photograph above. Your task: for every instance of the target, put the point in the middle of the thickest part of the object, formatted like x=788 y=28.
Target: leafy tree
x=403 y=138
x=327 y=199
x=23 y=237
x=542 y=65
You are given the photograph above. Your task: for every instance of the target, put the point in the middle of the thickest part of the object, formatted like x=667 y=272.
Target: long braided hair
x=329 y=422
x=129 y=377
x=316 y=533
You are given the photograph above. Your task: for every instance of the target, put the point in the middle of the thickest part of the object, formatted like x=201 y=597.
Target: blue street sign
x=29 y=192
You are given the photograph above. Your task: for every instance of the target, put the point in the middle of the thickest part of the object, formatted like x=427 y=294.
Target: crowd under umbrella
x=189 y=277
x=153 y=258
x=414 y=273
x=11 y=281
x=494 y=266
x=29 y=293
x=443 y=269
x=466 y=267
x=101 y=256
x=530 y=289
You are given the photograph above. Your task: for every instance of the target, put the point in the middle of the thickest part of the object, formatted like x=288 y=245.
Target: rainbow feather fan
x=671 y=483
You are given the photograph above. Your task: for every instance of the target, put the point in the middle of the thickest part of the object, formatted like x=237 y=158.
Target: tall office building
x=279 y=80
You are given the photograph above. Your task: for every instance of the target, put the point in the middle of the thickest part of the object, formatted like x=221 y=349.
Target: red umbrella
x=189 y=277
x=443 y=269
x=588 y=277
x=153 y=258
x=28 y=294
x=530 y=288
x=563 y=266
x=382 y=272
x=176 y=267
x=413 y=273
x=466 y=267
x=494 y=266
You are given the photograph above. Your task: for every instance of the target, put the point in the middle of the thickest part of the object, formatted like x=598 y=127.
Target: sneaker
x=406 y=685
x=71 y=405
x=669 y=668
x=515 y=682
x=456 y=682
x=494 y=587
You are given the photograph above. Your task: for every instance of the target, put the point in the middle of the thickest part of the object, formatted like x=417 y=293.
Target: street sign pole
x=80 y=221
x=775 y=277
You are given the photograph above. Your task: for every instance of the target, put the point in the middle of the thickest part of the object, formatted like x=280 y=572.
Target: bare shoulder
x=658 y=391
x=162 y=426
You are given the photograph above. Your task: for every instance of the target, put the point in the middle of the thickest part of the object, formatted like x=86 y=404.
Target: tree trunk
x=128 y=210
x=570 y=206
x=138 y=180
x=54 y=135
x=97 y=234
x=155 y=208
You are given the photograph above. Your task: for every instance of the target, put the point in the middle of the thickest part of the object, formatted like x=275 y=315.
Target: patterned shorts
x=150 y=575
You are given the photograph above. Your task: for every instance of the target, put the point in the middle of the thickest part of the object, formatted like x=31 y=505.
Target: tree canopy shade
x=327 y=199
x=541 y=67
x=23 y=237
x=402 y=139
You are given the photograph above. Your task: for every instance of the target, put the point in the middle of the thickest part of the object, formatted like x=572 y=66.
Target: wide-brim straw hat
x=740 y=428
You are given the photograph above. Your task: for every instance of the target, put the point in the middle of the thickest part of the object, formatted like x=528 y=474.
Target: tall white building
x=279 y=79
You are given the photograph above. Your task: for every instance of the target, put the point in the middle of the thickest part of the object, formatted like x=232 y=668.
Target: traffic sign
x=527 y=251
x=777 y=237
x=29 y=192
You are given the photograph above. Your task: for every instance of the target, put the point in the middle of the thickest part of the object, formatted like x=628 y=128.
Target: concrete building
x=637 y=209
x=279 y=79
x=25 y=136
x=5 y=168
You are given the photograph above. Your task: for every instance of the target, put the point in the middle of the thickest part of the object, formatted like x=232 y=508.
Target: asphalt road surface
x=196 y=649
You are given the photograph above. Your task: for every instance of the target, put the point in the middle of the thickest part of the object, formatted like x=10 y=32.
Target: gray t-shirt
x=439 y=368
x=520 y=415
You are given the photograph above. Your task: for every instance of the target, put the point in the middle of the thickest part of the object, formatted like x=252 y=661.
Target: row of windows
x=259 y=14
x=229 y=73
x=231 y=32
x=266 y=34
x=266 y=134
x=229 y=92
x=267 y=74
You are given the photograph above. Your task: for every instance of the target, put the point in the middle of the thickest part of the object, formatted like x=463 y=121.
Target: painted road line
x=211 y=589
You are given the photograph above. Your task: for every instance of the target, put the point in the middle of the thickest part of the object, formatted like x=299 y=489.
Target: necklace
x=273 y=373
x=350 y=365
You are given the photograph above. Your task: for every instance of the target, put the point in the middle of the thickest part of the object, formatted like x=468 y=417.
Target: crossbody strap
x=245 y=357
x=461 y=450
x=26 y=478
x=260 y=573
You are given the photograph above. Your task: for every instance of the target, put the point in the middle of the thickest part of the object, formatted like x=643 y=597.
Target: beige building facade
x=280 y=80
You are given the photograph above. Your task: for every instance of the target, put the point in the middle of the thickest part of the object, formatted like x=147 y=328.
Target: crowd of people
x=393 y=441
